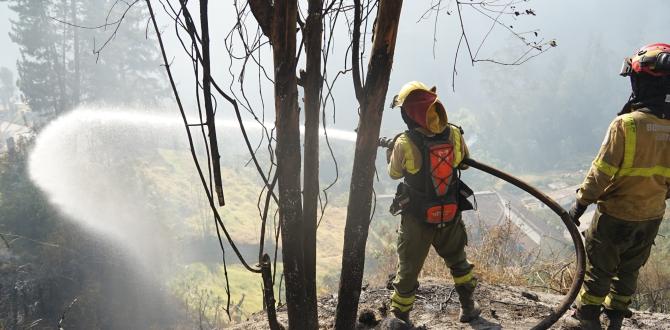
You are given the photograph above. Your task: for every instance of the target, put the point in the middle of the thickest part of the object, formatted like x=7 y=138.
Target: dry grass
x=385 y=257
x=653 y=288
x=653 y=285
x=499 y=256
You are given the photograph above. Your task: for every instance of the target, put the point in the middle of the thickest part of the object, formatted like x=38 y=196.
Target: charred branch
x=209 y=108
x=355 y=49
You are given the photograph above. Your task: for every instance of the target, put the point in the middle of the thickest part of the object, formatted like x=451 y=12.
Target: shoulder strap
x=460 y=129
x=456 y=141
x=395 y=138
x=415 y=137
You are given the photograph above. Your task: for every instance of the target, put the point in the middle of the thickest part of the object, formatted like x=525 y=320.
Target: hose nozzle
x=385 y=142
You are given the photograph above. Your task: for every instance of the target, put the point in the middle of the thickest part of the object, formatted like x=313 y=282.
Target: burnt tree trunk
x=371 y=101
x=288 y=158
x=278 y=21
x=312 y=82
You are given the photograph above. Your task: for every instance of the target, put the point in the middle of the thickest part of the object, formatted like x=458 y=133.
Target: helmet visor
x=626 y=68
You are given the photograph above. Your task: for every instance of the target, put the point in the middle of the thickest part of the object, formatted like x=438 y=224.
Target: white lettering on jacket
x=663 y=137
x=658 y=128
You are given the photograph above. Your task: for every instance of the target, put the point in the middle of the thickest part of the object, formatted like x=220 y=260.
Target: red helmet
x=652 y=59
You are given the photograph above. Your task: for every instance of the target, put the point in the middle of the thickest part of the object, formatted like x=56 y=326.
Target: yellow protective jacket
x=630 y=176
x=406 y=157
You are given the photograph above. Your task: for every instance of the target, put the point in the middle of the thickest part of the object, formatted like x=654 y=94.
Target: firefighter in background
x=428 y=156
x=628 y=181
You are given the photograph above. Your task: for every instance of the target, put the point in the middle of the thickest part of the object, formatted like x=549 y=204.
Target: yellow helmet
x=408 y=88
x=421 y=105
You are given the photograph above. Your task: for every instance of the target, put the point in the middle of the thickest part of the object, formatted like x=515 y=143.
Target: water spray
x=68 y=149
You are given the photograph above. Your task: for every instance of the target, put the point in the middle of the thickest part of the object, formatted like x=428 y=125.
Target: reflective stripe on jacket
x=630 y=176
x=406 y=157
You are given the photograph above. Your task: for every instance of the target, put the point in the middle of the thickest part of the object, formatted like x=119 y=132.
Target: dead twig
x=62 y=317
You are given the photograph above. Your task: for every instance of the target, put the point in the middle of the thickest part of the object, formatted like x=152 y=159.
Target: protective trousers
x=414 y=241
x=616 y=250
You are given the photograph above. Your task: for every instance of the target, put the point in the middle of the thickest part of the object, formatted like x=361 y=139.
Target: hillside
x=437 y=308
x=162 y=199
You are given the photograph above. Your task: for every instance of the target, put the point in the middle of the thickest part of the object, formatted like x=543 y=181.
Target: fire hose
x=576 y=285
x=577 y=281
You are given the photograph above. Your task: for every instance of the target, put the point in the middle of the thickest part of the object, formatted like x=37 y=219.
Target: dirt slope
x=437 y=308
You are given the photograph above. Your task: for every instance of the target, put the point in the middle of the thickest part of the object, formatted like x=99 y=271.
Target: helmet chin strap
x=632 y=99
x=650 y=93
x=628 y=106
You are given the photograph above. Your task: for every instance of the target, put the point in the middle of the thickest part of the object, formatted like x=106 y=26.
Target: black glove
x=576 y=212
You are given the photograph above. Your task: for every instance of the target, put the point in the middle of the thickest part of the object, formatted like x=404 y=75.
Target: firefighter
x=428 y=156
x=628 y=181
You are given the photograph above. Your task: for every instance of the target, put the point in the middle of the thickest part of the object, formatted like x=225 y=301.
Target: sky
x=593 y=38
x=9 y=52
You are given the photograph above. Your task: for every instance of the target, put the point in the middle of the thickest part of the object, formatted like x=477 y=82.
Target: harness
x=433 y=193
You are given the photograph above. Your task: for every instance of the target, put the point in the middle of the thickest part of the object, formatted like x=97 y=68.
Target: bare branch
x=62 y=317
x=192 y=147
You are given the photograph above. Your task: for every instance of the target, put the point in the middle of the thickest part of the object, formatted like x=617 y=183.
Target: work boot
x=404 y=316
x=469 y=307
x=585 y=317
x=614 y=318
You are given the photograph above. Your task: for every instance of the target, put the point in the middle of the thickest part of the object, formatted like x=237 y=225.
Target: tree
x=278 y=23
x=121 y=65
x=281 y=23
x=38 y=67
x=371 y=97
x=55 y=75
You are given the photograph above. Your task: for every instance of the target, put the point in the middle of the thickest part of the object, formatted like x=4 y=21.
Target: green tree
x=75 y=51
x=127 y=70
x=38 y=68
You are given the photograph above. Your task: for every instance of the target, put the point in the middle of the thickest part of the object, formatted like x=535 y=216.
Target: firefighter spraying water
x=429 y=156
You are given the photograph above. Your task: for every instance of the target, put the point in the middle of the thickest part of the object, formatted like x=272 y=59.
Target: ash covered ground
x=503 y=307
